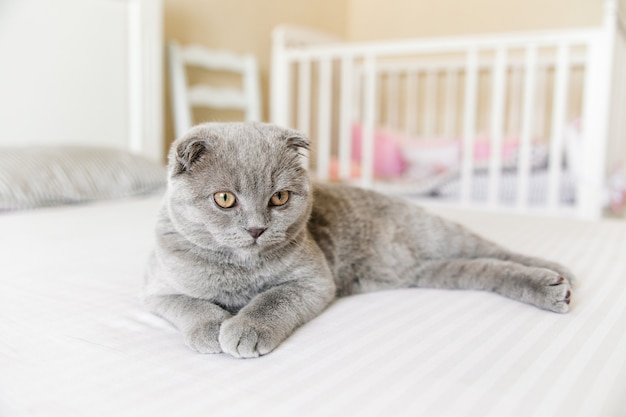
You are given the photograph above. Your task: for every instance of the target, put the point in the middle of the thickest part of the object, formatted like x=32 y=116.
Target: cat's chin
x=247 y=254
x=253 y=253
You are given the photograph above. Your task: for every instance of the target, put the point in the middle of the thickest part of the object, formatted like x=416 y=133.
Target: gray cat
x=248 y=249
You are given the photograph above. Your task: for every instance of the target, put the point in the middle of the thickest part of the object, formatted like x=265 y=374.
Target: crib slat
x=288 y=95
x=497 y=116
x=345 y=139
x=369 y=117
x=528 y=101
x=618 y=129
x=541 y=107
x=411 y=103
x=304 y=96
x=430 y=111
x=279 y=104
x=614 y=151
x=357 y=84
x=378 y=101
x=392 y=100
x=451 y=103
x=469 y=124
x=324 y=106
x=558 y=124
x=514 y=101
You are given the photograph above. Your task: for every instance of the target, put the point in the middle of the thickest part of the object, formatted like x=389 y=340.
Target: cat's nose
x=255 y=232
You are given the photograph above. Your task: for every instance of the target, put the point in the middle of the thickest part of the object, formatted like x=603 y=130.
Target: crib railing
x=530 y=85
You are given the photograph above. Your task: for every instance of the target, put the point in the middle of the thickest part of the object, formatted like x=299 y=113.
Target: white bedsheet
x=75 y=341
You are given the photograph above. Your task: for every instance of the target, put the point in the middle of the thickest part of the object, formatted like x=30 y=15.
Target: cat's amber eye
x=224 y=199
x=279 y=198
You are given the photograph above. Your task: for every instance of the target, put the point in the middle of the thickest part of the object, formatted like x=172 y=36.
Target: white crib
x=530 y=122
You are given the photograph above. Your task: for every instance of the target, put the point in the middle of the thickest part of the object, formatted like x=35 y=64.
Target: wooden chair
x=185 y=97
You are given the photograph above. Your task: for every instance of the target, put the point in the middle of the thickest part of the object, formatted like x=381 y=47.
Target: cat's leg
x=460 y=242
x=198 y=320
x=538 y=263
x=272 y=316
x=541 y=287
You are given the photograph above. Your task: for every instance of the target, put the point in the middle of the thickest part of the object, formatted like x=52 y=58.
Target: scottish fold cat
x=248 y=248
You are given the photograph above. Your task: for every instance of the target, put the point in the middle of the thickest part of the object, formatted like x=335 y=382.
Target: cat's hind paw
x=566 y=274
x=555 y=292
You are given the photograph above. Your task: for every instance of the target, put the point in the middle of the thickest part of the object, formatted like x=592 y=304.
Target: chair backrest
x=185 y=96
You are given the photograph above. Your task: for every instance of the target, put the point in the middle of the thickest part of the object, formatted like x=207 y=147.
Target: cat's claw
x=559 y=281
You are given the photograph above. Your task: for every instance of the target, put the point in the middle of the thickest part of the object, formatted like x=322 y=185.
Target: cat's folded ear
x=296 y=140
x=185 y=151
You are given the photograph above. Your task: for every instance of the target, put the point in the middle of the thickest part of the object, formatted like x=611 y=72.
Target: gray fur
x=228 y=291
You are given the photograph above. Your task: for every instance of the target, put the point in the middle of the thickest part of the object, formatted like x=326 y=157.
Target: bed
x=76 y=341
x=525 y=121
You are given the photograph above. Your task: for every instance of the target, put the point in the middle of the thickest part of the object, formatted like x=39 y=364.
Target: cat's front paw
x=203 y=337
x=243 y=337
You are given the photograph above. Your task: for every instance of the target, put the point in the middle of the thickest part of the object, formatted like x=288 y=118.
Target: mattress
x=75 y=340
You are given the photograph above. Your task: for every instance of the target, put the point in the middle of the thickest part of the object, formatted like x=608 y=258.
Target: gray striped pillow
x=49 y=176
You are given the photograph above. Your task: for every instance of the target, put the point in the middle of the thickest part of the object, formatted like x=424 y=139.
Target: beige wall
x=388 y=19
x=245 y=25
